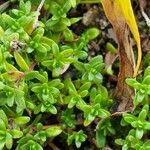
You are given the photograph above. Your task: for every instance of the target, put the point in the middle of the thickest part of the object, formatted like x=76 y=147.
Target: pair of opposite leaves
x=121 y=10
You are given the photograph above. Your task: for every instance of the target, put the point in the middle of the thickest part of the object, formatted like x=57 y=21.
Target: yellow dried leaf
x=123 y=10
x=12 y=75
x=29 y=27
x=127 y=10
x=10 y=67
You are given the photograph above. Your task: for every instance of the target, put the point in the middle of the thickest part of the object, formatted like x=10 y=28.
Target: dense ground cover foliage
x=54 y=92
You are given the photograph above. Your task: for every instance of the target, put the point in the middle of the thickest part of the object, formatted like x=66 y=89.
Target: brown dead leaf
x=123 y=93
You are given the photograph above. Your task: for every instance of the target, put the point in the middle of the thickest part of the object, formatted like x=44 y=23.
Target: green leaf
x=139 y=133
x=9 y=111
x=85 y=86
x=4 y=117
x=20 y=61
x=1 y=57
x=79 y=138
x=104 y=93
x=35 y=74
x=51 y=43
x=100 y=138
x=20 y=100
x=98 y=78
x=78 y=144
x=111 y=130
x=56 y=83
x=79 y=66
x=10 y=99
x=9 y=141
x=41 y=48
x=109 y=70
x=88 y=120
x=119 y=141
x=53 y=131
x=81 y=54
x=143 y=113
x=139 y=97
x=7 y=19
x=103 y=113
x=136 y=124
x=92 y=33
x=129 y=118
x=133 y=83
x=96 y=62
x=68 y=35
x=73 y=3
x=90 y=76
x=22 y=120
x=123 y=122
x=84 y=93
x=4 y=97
x=16 y=133
x=147 y=71
x=146 y=145
x=70 y=139
x=111 y=48
x=52 y=109
x=147 y=126
x=72 y=102
x=29 y=144
x=1 y=32
x=41 y=135
x=70 y=85
x=10 y=67
x=2 y=144
x=2 y=125
x=37 y=88
x=74 y=20
x=97 y=99
x=66 y=53
x=125 y=147
x=146 y=80
x=28 y=7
